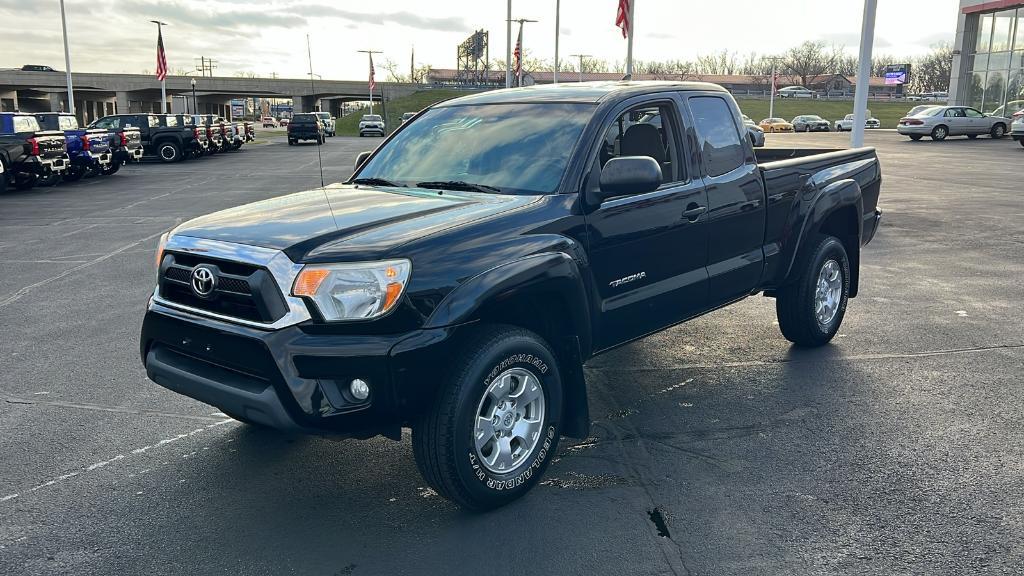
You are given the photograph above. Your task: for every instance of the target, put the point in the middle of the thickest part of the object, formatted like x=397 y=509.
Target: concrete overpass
x=101 y=94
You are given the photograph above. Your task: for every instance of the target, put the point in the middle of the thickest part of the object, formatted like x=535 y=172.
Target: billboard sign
x=897 y=74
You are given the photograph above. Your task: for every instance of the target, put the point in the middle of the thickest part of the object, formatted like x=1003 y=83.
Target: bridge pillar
x=121 y=98
x=303 y=104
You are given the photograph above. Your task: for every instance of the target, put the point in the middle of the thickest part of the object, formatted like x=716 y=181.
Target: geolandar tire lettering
x=493 y=428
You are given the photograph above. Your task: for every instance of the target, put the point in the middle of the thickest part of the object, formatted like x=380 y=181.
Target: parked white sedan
x=942 y=121
x=846 y=124
x=1016 y=130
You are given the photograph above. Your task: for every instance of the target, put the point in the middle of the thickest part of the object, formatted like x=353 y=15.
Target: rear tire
x=499 y=407
x=111 y=168
x=915 y=137
x=972 y=136
x=811 y=308
x=50 y=179
x=998 y=131
x=73 y=174
x=168 y=152
x=1021 y=141
x=25 y=181
x=939 y=133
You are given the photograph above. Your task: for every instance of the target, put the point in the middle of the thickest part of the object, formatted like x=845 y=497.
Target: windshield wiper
x=376 y=182
x=458 y=185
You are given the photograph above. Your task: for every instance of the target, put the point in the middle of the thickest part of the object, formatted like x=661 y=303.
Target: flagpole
x=163 y=83
x=771 y=101
x=519 y=66
x=67 y=60
x=629 y=42
x=558 y=11
x=370 y=54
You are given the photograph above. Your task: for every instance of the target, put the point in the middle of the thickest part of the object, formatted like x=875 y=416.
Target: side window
x=172 y=121
x=972 y=113
x=722 y=148
x=154 y=122
x=646 y=130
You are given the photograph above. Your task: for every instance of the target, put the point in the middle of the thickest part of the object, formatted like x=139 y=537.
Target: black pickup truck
x=29 y=154
x=194 y=141
x=214 y=131
x=458 y=281
x=125 y=141
x=305 y=127
x=167 y=143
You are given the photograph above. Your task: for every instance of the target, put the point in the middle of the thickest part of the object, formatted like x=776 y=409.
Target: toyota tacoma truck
x=125 y=141
x=88 y=148
x=461 y=277
x=28 y=153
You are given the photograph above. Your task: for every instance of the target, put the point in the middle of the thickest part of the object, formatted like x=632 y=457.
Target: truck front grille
x=240 y=291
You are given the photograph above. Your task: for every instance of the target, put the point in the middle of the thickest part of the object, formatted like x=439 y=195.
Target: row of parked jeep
x=46 y=148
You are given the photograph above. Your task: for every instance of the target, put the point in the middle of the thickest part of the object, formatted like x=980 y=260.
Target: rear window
x=26 y=124
x=67 y=122
x=304 y=119
x=324 y=114
x=371 y=118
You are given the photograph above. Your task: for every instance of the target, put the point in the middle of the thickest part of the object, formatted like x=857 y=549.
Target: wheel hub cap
x=828 y=293
x=509 y=419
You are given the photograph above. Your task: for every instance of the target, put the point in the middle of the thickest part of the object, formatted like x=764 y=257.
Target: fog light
x=360 y=390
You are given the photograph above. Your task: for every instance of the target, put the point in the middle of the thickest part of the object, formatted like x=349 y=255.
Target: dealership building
x=988 y=62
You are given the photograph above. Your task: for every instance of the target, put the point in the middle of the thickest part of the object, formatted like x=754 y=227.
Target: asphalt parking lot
x=716 y=449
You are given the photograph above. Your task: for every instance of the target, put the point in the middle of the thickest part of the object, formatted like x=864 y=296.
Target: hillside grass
x=888 y=113
x=349 y=125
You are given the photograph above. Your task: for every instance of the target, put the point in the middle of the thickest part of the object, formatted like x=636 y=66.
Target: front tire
x=493 y=427
x=998 y=131
x=811 y=308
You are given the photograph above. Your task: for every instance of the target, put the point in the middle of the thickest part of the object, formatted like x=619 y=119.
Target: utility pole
x=860 y=98
x=558 y=11
x=771 y=102
x=508 y=46
x=372 y=81
x=163 y=83
x=522 y=50
x=581 y=57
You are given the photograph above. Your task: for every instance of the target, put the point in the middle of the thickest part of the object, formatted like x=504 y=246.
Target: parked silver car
x=754 y=132
x=810 y=123
x=942 y=121
x=1017 y=130
x=846 y=124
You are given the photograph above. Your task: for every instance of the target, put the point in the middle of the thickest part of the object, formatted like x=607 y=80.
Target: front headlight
x=353 y=291
x=160 y=249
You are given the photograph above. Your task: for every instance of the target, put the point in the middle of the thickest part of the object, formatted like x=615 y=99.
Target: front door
x=979 y=123
x=648 y=250
x=736 y=200
x=958 y=122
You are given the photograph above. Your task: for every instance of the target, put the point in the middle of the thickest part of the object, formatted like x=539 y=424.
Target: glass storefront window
x=1017 y=60
x=995 y=91
x=984 y=33
x=975 y=89
x=1001 y=29
x=980 y=62
x=1018 y=42
x=999 y=61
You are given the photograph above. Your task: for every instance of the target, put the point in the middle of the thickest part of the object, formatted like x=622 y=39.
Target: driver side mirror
x=361 y=158
x=627 y=175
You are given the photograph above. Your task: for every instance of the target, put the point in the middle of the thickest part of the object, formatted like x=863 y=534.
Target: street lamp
x=195 y=105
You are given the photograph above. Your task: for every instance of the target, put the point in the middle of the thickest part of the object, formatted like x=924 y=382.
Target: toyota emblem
x=204 y=281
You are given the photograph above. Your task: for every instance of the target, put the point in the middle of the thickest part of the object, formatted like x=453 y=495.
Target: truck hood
x=347 y=221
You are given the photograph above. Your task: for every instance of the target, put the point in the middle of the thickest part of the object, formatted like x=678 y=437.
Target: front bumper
x=294 y=379
x=818 y=127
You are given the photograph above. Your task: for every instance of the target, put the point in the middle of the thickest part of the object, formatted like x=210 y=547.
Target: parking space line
x=10 y=399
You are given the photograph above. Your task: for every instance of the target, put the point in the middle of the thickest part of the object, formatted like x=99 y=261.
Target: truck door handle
x=693 y=212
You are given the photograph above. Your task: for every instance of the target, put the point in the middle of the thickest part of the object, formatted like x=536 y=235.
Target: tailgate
x=133 y=136
x=51 y=144
x=99 y=140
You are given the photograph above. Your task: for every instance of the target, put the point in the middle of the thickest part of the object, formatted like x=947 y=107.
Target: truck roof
x=580 y=92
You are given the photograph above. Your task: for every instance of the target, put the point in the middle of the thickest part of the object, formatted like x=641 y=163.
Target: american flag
x=518 y=53
x=622 y=17
x=161 y=57
x=373 y=83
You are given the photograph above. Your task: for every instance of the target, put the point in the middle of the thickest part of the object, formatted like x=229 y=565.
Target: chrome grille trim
x=280 y=266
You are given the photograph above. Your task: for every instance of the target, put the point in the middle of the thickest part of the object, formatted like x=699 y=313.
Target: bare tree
x=930 y=73
x=396 y=73
x=809 y=61
x=723 y=62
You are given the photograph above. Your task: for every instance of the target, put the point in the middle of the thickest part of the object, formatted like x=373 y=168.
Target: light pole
x=860 y=98
x=771 y=102
x=163 y=83
x=558 y=10
x=581 y=57
x=508 y=46
x=67 y=60
x=195 y=104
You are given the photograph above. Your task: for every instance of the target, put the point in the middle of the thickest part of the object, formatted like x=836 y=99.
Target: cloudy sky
x=269 y=37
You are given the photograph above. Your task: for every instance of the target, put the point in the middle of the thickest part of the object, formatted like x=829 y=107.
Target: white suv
x=371 y=124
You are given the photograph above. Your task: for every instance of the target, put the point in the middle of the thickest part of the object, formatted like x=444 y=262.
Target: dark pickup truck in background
x=125 y=142
x=28 y=153
x=305 y=127
x=167 y=143
x=194 y=141
x=459 y=280
x=88 y=148
x=214 y=131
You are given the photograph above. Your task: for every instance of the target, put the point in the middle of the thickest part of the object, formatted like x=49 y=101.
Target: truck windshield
x=516 y=148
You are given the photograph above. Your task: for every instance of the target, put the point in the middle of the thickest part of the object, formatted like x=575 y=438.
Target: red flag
x=161 y=57
x=622 y=17
x=373 y=83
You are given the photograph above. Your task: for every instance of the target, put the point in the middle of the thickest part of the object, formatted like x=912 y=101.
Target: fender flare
x=835 y=196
